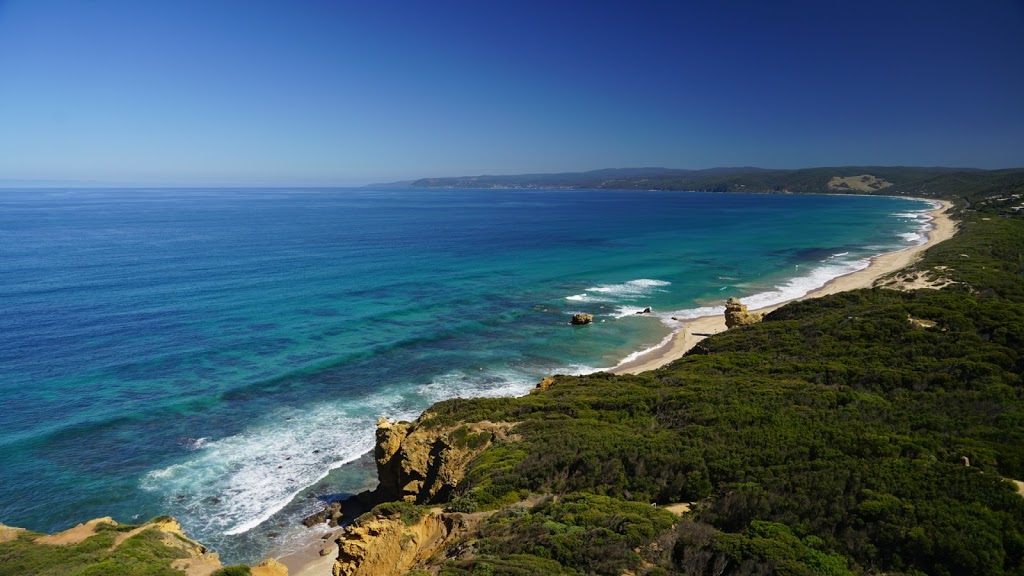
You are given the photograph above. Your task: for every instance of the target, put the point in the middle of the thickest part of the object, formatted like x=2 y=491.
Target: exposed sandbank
x=942 y=228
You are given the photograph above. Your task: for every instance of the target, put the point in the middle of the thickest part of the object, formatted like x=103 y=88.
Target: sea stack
x=736 y=314
x=581 y=318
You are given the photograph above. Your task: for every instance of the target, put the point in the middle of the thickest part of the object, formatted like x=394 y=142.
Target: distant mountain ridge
x=890 y=180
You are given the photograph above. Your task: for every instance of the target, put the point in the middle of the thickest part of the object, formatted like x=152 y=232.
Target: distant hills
x=890 y=180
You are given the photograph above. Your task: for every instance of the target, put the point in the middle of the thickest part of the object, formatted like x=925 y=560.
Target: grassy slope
x=827 y=440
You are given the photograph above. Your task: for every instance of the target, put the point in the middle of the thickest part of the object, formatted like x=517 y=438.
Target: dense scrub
x=830 y=439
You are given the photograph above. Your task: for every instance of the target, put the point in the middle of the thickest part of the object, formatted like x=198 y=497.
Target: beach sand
x=693 y=331
x=309 y=562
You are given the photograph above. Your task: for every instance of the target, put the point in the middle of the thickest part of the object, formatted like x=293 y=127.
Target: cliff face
x=417 y=463
x=423 y=464
x=383 y=546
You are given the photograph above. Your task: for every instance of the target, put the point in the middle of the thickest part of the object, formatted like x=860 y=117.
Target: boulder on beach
x=581 y=318
x=736 y=314
x=330 y=514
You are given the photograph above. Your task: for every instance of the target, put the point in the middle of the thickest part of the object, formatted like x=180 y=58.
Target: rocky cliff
x=417 y=463
x=388 y=544
x=421 y=463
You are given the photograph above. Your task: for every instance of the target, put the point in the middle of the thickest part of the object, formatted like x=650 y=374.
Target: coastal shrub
x=591 y=533
x=113 y=527
x=409 y=513
x=234 y=570
x=506 y=565
x=462 y=438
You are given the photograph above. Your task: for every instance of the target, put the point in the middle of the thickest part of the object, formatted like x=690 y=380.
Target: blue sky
x=257 y=92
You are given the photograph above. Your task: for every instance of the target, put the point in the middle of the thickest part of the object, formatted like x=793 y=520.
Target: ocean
x=222 y=355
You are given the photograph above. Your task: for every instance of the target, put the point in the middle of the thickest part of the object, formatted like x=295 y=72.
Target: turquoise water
x=215 y=354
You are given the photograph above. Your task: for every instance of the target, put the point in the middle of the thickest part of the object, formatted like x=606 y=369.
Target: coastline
x=307 y=561
x=692 y=331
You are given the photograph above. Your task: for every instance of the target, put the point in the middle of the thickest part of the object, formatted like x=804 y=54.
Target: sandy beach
x=695 y=330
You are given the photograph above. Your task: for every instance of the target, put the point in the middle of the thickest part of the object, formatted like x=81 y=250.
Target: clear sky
x=291 y=92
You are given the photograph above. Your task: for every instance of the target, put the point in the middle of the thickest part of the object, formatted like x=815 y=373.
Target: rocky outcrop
x=422 y=463
x=581 y=318
x=545 y=383
x=736 y=314
x=387 y=453
x=269 y=567
x=385 y=546
x=331 y=514
x=417 y=462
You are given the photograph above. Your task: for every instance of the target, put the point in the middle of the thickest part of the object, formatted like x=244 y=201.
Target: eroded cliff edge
x=418 y=463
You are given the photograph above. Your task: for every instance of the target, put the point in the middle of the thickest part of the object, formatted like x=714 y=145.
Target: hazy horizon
x=120 y=93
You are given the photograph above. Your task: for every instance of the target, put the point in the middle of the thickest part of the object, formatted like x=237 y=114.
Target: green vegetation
x=463 y=438
x=409 y=513
x=145 y=554
x=830 y=439
x=234 y=570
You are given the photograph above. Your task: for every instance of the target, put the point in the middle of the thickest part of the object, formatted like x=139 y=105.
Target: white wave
x=691 y=313
x=627 y=291
x=624 y=311
x=233 y=484
x=587 y=298
x=802 y=285
x=913 y=237
x=924 y=220
x=921 y=215
x=789 y=290
x=836 y=255
x=630 y=290
x=486 y=384
x=664 y=342
x=579 y=370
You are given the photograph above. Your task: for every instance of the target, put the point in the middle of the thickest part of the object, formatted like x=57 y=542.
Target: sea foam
x=233 y=484
x=631 y=290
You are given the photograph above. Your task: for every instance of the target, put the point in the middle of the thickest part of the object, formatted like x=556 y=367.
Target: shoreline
x=692 y=331
x=307 y=561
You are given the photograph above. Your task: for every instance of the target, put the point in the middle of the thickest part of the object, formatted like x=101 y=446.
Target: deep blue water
x=213 y=354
